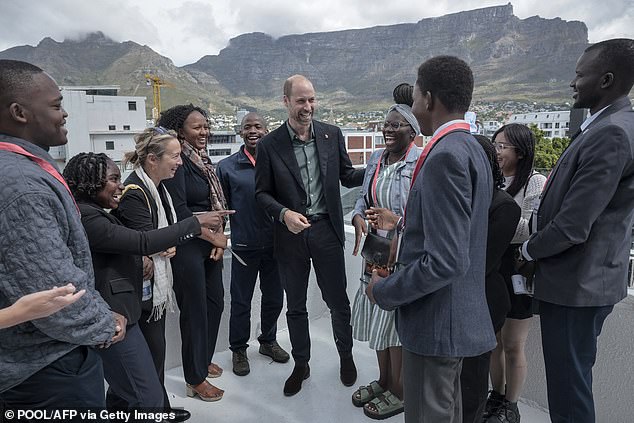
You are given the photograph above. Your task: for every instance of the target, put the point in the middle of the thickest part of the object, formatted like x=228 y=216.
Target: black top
x=504 y=213
x=116 y=252
x=189 y=189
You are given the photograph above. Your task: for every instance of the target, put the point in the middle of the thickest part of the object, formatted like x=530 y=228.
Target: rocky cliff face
x=512 y=58
x=507 y=54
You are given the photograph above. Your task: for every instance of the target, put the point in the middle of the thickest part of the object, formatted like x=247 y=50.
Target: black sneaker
x=240 y=363
x=506 y=413
x=494 y=401
x=274 y=351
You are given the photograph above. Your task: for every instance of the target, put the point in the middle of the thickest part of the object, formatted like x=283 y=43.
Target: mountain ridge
x=512 y=59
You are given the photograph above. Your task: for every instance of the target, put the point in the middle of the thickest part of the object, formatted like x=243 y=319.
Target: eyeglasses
x=395 y=125
x=160 y=130
x=500 y=146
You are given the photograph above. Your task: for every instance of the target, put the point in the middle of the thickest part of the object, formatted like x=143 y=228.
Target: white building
x=554 y=124
x=100 y=121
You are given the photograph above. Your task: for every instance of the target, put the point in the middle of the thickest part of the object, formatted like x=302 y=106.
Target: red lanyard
x=46 y=166
x=376 y=173
x=451 y=128
x=458 y=126
x=250 y=157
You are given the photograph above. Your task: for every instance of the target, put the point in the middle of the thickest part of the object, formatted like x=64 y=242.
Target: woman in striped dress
x=383 y=198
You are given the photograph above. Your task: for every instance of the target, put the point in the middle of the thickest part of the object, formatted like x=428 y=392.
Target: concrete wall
x=613 y=373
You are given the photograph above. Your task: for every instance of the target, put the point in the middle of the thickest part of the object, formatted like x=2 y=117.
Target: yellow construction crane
x=156 y=83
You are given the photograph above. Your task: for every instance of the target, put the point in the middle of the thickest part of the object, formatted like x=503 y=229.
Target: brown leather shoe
x=206 y=391
x=294 y=382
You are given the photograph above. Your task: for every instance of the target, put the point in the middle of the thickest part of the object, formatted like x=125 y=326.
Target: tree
x=547 y=150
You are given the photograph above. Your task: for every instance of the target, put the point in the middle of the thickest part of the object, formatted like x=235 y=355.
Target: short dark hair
x=85 y=174
x=489 y=150
x=174 y=117
x=617 y=56
x=449 y=79
x=523 y=140
x=403 y=93
x=15 y=77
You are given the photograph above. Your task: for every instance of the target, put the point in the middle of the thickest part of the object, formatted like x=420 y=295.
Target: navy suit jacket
x=584 y=221
x=278 y=183
x=439 y=290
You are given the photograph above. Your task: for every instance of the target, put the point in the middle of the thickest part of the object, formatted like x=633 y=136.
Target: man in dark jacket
x=252 y=237
x=297 y=177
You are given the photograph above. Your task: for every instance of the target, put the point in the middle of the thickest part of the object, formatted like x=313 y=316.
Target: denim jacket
x=404 y=180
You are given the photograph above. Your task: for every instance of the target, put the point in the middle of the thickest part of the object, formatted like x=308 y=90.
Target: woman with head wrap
x=382 y=202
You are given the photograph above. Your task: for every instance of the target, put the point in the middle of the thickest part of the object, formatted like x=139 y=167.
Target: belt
x=317 y=217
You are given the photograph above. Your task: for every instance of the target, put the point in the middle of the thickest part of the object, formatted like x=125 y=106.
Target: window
x=112 y=127
x=131 y=106
x=109 y=145
x=556 y=125
x=220 y=152
x=126 y=127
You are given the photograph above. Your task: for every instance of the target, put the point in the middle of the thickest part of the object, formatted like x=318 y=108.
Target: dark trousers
x=320 y=244
x=130 y=372
x=154 y=334
x=199 y=293
x=242 y=286
x=431 y=388
x=474 y=384
x=73 y=380
x=569 y=341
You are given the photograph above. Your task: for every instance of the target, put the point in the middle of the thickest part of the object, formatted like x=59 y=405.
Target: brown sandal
x=214 y=370
x=205 y=391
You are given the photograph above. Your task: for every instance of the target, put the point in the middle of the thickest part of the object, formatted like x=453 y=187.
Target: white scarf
x=162 y=295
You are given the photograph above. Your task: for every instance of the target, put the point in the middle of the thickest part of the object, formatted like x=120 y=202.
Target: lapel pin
x=326 y=136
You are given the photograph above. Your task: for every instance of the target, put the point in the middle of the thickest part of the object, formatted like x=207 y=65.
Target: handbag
x=379 y=253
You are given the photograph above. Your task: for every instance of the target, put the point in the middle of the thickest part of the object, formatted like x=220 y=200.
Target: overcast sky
x=186 y=30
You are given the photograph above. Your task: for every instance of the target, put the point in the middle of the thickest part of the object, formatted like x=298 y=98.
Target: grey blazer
x=439 y=288
x=585 y=216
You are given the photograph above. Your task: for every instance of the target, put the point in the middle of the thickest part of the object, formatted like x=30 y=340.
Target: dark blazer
x=438 y=290
x=278 y=183
x=584 y=221
x=116 y=252
x=133 y=209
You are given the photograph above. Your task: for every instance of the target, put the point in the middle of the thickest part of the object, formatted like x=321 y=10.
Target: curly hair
x=85 y=174
x=174 y=117
x=489 y=150
x=449 y=79
x=403 y=93
x=523 y=140
x=150 y=141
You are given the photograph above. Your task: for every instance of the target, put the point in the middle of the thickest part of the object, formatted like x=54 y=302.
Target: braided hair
x=85 y=174
x=174 y=117
x=523 y=140
x=491 y=153
x=403 y=94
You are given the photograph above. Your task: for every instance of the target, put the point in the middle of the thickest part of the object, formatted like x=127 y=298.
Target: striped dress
x=369 y=322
